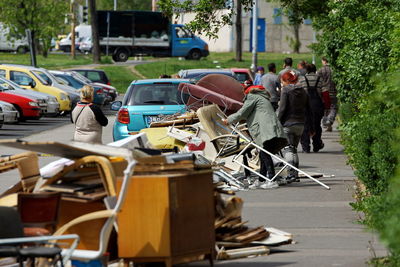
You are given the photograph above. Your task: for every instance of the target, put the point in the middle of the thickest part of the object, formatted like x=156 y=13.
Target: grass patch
x=120 y=76
x=53 y=61
x=171 y=66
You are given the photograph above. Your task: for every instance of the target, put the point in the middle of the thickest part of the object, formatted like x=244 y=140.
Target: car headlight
x=64 y=97
x=33 y=104
x=51 y=99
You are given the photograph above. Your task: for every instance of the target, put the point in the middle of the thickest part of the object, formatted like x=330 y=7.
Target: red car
x=242 y=74
x=27 y=107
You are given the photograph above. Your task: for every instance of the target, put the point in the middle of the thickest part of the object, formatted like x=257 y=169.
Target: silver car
x=1 y=117
x=10 y=112
x=48 y=104
x=53 y=81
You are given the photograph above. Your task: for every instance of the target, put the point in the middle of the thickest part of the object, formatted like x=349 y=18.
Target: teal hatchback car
x=146 y=101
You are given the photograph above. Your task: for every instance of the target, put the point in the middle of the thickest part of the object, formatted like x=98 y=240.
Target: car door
x=23 y=79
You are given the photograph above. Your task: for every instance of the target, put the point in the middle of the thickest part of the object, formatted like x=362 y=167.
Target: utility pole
x=115 y=5
x=31 y=47
x=238 y=28
x=73 y=29
x=254 y=39
x=154 y=5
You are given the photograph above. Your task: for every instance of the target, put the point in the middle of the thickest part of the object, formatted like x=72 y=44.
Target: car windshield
x=241 y=76
x=156 y=94
x=77 y=84
x=198 y=75
x=43 y=77
x=7 y=85
x=82 y=78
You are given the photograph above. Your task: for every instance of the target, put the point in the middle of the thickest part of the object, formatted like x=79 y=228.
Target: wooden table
x=168 y=218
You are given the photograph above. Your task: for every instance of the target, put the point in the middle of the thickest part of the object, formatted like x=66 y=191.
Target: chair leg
x=60 y=258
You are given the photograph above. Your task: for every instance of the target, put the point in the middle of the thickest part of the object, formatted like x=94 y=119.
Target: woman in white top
x=88 y=118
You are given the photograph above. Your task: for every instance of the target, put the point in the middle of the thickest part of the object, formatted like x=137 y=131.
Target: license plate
x=150 y=119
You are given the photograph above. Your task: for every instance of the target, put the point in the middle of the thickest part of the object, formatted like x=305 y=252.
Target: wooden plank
x=70 y=150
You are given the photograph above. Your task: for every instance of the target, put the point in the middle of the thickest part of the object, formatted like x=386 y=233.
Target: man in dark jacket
x=294 y=113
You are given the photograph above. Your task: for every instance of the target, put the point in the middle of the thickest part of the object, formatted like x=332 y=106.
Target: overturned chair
x=232 y=140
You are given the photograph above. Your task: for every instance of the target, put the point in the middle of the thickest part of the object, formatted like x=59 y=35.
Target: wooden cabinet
x=167 y=218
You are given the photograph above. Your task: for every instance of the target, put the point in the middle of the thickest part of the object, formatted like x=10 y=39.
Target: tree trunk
x=297 y=43
x=238 y=27
x=95 y=32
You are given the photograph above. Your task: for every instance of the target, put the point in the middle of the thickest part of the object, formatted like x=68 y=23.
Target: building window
x=307 y=21
x=277 y=16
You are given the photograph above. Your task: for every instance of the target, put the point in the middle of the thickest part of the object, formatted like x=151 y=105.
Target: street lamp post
x=254 y=39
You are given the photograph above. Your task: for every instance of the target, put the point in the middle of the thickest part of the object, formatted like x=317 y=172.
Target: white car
x=85 y=46
x=10 y=112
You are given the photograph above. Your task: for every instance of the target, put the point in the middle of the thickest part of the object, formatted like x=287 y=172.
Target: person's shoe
x=328 y=128
x=292 y=179
x=280 y=180
x=268 y=185
x=318 y=148
x=255 y=184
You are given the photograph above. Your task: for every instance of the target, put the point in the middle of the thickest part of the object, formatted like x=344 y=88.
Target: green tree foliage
x=209 y=16
x=45 y=18
x=124 y=4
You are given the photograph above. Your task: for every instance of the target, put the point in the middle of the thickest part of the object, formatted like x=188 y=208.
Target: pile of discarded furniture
x=163 y=195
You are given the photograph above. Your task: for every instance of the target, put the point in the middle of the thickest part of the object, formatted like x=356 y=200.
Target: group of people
x=285 y=109
x=281 y=110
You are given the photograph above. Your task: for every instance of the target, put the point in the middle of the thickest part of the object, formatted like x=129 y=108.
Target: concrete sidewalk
x=322 y=222
x=324 y=225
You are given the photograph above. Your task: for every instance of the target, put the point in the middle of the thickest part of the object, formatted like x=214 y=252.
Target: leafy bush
x=362 y=39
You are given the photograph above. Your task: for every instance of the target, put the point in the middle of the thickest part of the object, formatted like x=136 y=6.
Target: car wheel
x=121 y=55
x=194 y=54
x=21 y=117
x=21 y=50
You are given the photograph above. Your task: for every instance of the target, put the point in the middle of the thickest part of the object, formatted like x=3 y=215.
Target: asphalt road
x=30 y=127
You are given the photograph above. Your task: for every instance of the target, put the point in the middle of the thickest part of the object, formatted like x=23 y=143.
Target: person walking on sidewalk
x=312 y=85
x=325 y=74
x=287 y=66
x=264 y=128
x=294 y=112
x=271 y=83
x=259 y=74
x=88 y=118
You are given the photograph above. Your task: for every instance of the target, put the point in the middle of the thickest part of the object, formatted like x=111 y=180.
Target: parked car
x=47 y=103
x=1 y=117
x=28 y=108
x=242 y=74
x=96 y=76
x=144 y=101
x=108 y=89
x=53 y=81
x=85 y=46
x=26 y=77
x=197 y=74
x=74 y=80
x=10 y=113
